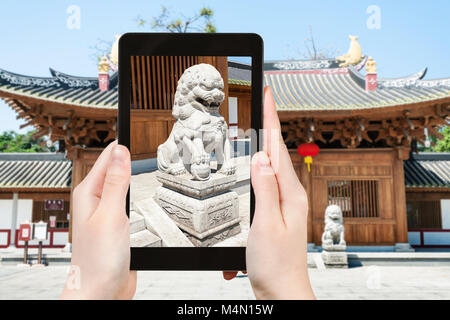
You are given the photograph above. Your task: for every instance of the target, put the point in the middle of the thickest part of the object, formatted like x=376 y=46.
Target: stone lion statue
x=199 y=129
x=333 y=235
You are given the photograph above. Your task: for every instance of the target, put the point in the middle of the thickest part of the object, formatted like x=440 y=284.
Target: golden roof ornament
x=354 y=54
x=103 y=65
x=371 y=66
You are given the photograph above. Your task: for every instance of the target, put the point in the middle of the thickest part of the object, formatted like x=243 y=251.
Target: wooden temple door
x=367 y=185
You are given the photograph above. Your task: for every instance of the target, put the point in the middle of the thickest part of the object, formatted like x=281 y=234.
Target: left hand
x=101 y=236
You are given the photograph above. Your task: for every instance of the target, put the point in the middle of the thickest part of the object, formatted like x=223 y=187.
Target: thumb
x=117 y=180
x=265 y=186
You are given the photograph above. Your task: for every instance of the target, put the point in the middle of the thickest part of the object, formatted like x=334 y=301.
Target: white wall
x=24 y=211
x=3 y=238
x=436 y=238
x=414 y=238
x=445 y=210
x=60 y=238
x=5 y=213
x=233 y=116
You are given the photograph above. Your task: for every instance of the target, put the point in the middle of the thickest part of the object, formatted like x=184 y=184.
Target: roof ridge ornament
x=371 y=66
x=73 y=81
x=103 y=65
x=354 y=54
x=17 y=79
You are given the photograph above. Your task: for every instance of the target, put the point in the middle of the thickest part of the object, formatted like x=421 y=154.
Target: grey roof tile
x=35 y=171
x=427 y=170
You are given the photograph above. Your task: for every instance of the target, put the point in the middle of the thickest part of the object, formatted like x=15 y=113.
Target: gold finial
x=371 y=66
x=103 y=65
x=354 y=54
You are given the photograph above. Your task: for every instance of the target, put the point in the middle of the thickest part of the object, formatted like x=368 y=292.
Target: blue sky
x=412 y=34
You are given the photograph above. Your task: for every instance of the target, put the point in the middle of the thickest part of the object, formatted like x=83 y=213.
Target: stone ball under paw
x=201 y=171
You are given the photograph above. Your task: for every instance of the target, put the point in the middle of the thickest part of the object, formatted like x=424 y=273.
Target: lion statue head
x=201 y=87
x=333 y=215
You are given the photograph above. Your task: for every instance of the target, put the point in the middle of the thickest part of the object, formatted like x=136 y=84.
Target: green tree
x=199 y=22
x=11 y=141
x=443 y=145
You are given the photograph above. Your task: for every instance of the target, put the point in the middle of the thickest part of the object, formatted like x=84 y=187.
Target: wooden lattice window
x=356 y=198
x=154 y=80
x=424 y=214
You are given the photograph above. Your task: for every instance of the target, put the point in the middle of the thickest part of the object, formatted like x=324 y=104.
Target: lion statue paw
x=202 y=158
x=228 y=169
x=177 y=169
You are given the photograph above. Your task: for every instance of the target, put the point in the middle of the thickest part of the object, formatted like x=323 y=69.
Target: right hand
x=276 y=249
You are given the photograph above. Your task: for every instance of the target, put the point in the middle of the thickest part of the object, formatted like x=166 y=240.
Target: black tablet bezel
x=189 y=44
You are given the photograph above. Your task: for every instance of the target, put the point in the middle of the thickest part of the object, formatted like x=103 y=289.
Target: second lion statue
x=199 y=129
x=333 y=235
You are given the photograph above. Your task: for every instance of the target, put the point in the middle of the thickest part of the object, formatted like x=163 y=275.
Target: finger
x=271 y=123
x=267 y=206
x=87 y=194
x=94 y=180
x=228 y=275
x=117 y=180
x=292 y=194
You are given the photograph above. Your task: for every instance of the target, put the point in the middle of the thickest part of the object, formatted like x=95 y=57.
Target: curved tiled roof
x=344 y=89
x=428 y=170
x=318 y=64
x=61 y=88
x=84 y=91
x=35 y=170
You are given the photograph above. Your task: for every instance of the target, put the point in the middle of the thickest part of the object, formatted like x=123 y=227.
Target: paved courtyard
x=370 y=282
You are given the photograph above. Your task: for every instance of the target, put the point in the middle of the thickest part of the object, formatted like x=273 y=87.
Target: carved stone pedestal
x=206 y=211
x=335 y=259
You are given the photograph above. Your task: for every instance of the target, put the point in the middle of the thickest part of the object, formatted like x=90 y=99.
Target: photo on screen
x=190 y=142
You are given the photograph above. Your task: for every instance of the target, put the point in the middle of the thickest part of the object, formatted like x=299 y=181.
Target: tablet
x=190 y=112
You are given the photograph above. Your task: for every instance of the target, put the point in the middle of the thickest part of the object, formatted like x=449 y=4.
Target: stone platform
x=335 y=259
x=206 y=211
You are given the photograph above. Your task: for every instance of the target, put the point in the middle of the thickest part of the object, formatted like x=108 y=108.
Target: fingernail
x=118 y=154
x=263 y=160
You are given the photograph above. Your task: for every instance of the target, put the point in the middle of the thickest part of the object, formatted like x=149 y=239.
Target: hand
x=276 y=248
x=101 y=239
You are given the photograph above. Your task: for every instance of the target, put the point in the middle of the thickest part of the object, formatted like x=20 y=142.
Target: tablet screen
x=190 y=143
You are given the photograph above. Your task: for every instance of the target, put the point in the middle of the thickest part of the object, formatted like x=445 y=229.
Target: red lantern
x=308 y=150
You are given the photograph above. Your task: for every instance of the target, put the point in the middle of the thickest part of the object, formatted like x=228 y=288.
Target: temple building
x=367 y=128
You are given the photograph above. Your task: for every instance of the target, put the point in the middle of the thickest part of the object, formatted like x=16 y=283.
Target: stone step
x=159 y=223
x=137 y=222
x=144 y=239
